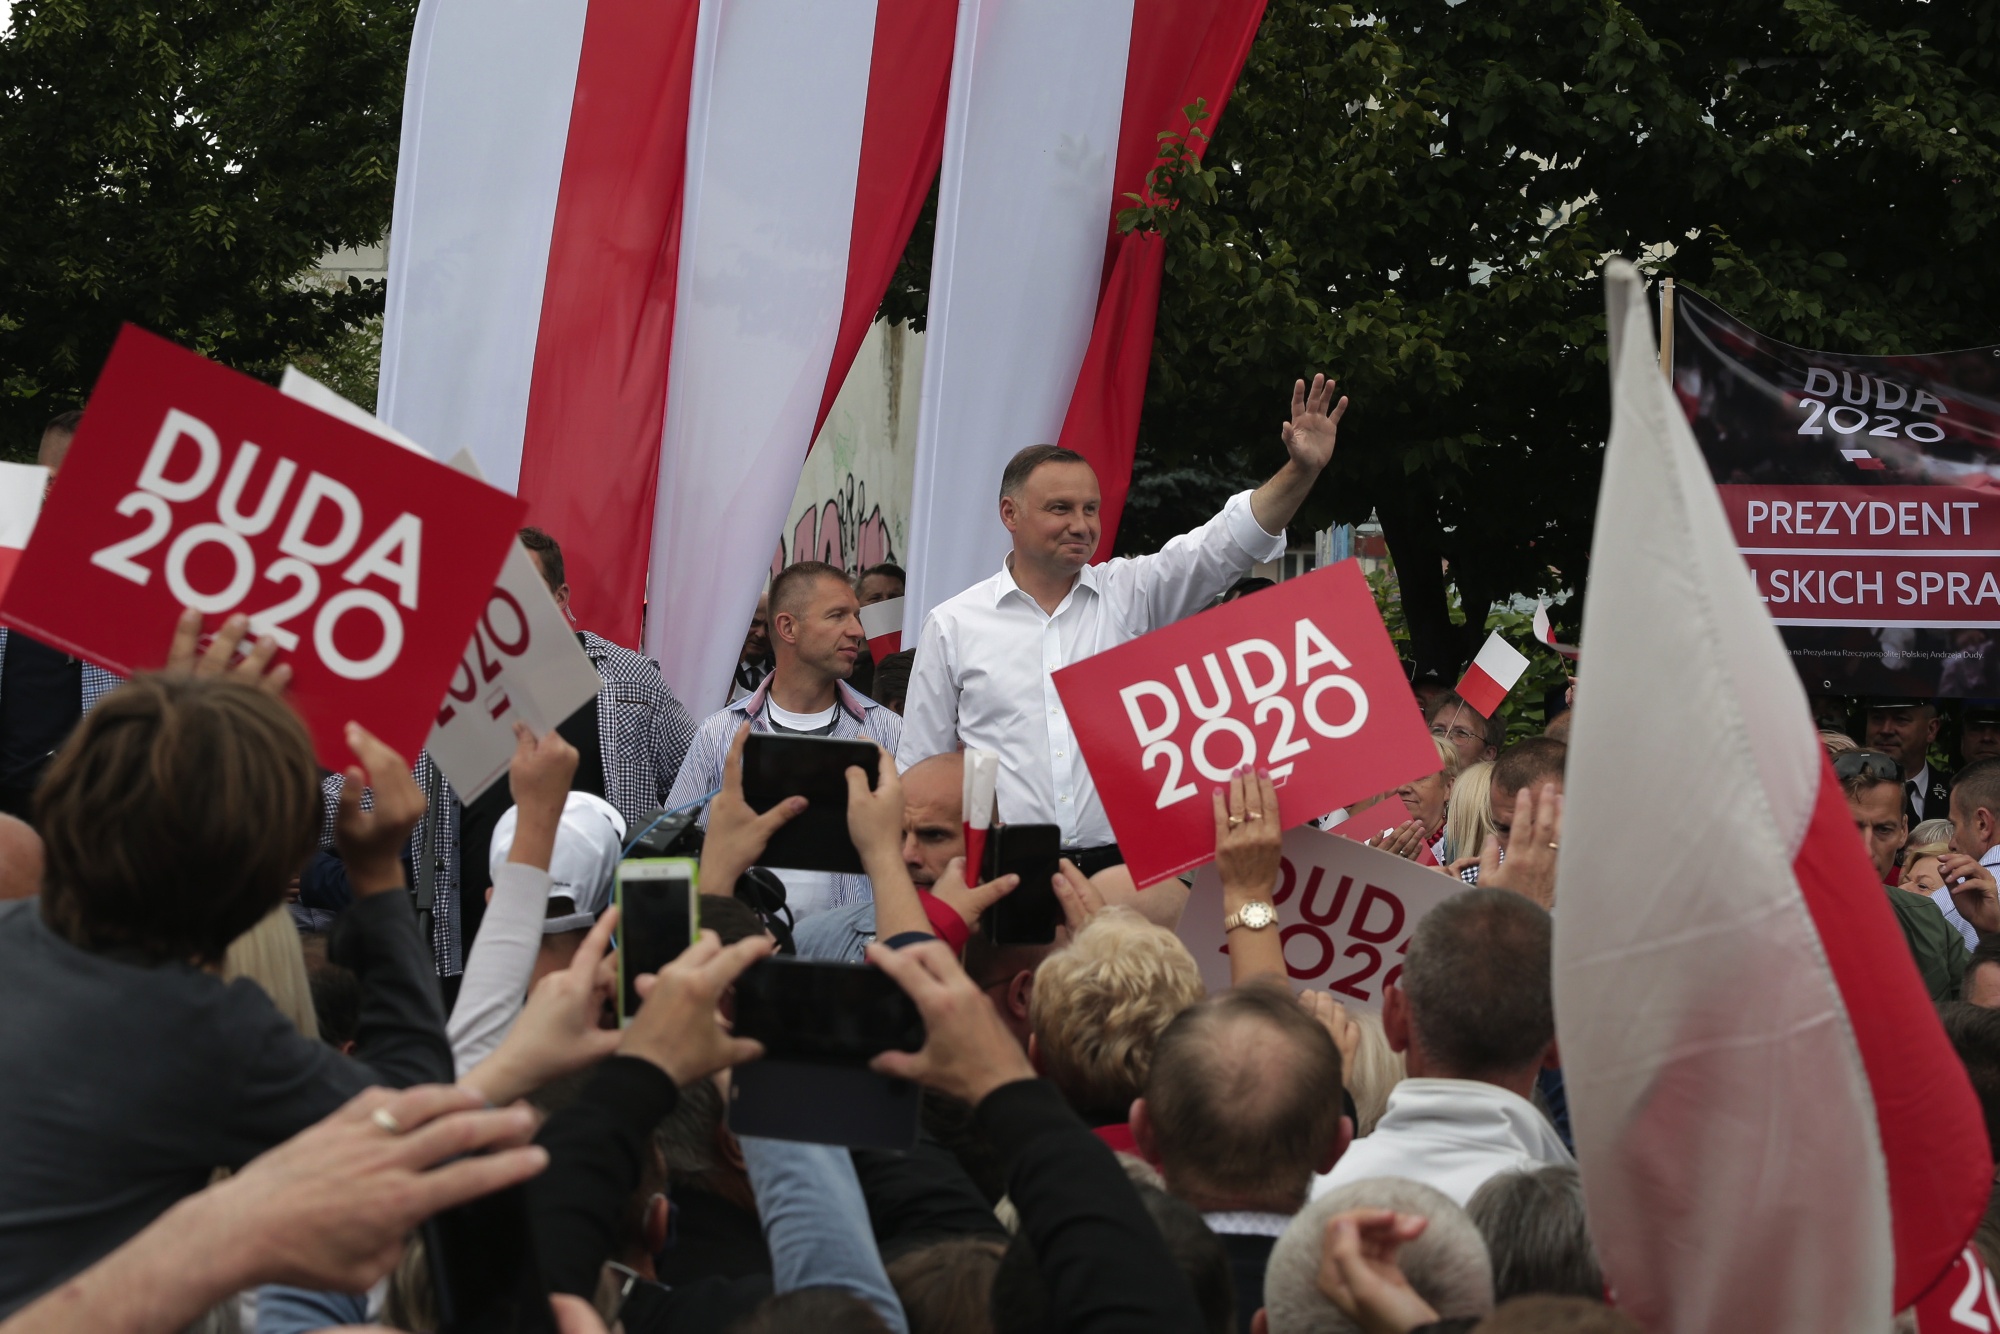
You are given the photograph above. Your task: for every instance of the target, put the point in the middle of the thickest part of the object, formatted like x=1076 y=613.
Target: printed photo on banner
x=1301 y=680
x=1345 y=913
x=190 y=485
x=1864 y=494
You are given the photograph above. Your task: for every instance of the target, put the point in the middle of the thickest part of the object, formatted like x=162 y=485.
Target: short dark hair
x=1022 y=466
x=820 y=1310
x=1478 y=979
x=1021 y=1294
x=65 y=423
x=947 y=1286
x=1537 y=1234
x=793 y=587
x=1980 y=782
x=336 y=992
x=550 y=551
x=1529 y=762
x=730 y=918
x=1225 y=1117
x=174 y=817
x=1988 y=951
x=892 y=678
x=886 y=570
x=1975 y=1035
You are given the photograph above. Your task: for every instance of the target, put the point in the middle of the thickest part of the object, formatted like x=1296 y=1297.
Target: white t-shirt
x=806 y=892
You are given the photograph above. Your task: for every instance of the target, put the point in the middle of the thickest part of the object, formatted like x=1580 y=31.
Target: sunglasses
x=1873 y=763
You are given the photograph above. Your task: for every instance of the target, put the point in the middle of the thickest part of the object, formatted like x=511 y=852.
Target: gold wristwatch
x=1255 y=916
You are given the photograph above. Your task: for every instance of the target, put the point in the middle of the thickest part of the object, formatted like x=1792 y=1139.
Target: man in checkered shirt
x=630 y=742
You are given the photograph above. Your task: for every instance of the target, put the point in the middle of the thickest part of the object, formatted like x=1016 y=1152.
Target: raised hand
x=371 y=842
x=1081 y=900
x=679 y=1027
x=1249 y=842
x=539 y=776
x=1359 y=1274
x=1972 y=890
x=1314 y=427
x=737 y=834
x=1530 y=868
x=970 y=902
x=556 y=1032
x=1339 y=1025
x=875 y=815
x=967 y=1052
x=219 y=659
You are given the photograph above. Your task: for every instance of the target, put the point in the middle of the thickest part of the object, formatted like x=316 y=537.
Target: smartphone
x=819 y=1011
x=777 y=765
x=1032 y=912
x=659 y=913
x=484 y=1270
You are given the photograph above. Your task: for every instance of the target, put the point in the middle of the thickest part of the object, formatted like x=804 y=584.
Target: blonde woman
x=1371 y=1072
x=1468 y=816
x=1428 y=798
x=269 y=954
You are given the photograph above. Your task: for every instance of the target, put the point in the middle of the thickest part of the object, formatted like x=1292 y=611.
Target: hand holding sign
x=1345 y=914
x=371 y=841
x=191 y=486
x=1300 y=681
x=186 y=657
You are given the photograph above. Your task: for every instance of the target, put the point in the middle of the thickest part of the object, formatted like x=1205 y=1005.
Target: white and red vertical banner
x=1774 y=1132
x=637 y=245
x=1041 y=315
x=22 y=486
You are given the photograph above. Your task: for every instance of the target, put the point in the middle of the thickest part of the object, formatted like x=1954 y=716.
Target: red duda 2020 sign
x=190 y=485
x=1300 y=679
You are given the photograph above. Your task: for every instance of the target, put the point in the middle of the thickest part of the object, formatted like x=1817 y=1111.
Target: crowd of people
x=267 y=1028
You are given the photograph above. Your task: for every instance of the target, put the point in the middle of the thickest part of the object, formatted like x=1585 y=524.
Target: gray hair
x=1478 y=978
x=1537 y=1234
x=1447 y=1265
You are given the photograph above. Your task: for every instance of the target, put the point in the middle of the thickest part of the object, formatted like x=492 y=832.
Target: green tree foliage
x=1416 y=195
x=181 y=164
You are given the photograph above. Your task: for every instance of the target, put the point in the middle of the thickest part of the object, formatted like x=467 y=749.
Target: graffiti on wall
x=840 y=530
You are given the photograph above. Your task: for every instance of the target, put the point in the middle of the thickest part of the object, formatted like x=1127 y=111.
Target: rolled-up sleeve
x=1192 y=570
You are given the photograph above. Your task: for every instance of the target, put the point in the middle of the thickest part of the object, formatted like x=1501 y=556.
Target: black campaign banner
x=1864 y=493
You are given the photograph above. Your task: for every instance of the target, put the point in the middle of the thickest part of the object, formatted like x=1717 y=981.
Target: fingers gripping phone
x=659 y=914
x=821 y=1023
x=1030 y=913
x=776 y=766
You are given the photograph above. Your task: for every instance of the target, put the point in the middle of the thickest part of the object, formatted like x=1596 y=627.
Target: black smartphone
x=776 y=766
x=659 y=912
x=484 y=1270
x=819 y=1011
x=1032 y=912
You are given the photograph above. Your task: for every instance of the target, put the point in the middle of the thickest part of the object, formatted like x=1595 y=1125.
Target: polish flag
x=1774 y=1133
x=1547 y=632
x=637 y=244
x=1491 y=675
x=882 y=622
x=22 y=486
x=1041 y=314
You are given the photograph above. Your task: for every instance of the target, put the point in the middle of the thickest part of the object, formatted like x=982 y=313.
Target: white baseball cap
x=589 y=841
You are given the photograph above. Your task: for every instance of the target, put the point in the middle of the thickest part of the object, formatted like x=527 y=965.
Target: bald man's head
x=933 y=826
x=20 y=859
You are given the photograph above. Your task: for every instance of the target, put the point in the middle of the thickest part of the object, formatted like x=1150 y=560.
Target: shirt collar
x=851 y=700
x=1004 y=582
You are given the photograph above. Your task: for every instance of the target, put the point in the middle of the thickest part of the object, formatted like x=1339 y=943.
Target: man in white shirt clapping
x=983 y=664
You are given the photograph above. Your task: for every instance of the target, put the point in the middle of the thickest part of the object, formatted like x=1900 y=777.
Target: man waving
x=984 y=660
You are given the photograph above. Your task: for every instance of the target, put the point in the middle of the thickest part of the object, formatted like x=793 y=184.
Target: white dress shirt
x=1453 y=1135
x=982 y=671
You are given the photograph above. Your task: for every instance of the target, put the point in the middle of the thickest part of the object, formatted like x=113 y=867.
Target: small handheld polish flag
x=982 y=775
x=21 y=488
x=1546 y=632
x=1492 y=674
x=882 y=622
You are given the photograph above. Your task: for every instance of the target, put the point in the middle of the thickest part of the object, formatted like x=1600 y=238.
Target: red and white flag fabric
x=1041 y=313
x=637 y=244
x=1774 y=1132
x=21 y=488
x=1546 y=632
x=1491 y=675
x=882 y=622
